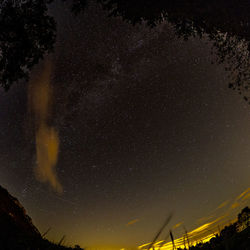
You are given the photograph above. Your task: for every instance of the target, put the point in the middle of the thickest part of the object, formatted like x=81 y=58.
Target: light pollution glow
x=47 y=140
x=204 y=232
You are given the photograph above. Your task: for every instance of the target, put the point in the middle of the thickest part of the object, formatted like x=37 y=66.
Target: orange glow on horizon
x=204 y=232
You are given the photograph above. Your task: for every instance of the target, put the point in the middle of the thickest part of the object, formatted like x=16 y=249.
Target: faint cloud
x=214 y=212
x=47 y=139
x=246 y=197
x=177 y=225
x=235 y=204
x=242 y=196
x=204 y=219
x=132 y=222
x=200 y=228
x=223 y=204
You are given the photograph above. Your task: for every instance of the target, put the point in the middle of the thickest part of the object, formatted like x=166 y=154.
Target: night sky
x=145 y=126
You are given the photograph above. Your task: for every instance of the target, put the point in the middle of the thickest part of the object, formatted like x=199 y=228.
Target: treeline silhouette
x=235 y=236
x=27 y=31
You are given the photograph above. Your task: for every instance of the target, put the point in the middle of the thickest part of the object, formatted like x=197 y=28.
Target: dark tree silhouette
x=244 y=218
x=224 y=15
x=27 y=32
x=225 y=22
x=232 y=237
x=77 y=5
x=229 y=231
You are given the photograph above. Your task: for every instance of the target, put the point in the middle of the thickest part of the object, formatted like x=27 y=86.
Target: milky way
x=147 y=125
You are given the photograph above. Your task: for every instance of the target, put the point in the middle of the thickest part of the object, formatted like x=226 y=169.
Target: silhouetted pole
x=62 y=239
x=161 y=229
x=46 y=232
x=172 y=239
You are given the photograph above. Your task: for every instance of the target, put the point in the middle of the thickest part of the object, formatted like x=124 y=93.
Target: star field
x=147 y=125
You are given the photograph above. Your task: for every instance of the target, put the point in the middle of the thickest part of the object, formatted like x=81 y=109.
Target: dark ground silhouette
x=17 y=231
x=235 y=236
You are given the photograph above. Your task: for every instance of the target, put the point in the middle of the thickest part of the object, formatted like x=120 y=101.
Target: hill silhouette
x=17 y=232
